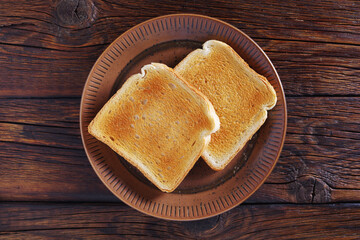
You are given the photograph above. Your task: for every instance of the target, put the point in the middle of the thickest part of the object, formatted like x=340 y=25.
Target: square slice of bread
x=240 y=96
x=158 y=123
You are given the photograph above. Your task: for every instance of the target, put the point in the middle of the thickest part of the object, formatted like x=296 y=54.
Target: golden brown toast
x=158 y=123
x=241 y=97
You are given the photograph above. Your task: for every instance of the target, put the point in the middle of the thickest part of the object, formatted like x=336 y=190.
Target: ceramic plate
x=204 y=192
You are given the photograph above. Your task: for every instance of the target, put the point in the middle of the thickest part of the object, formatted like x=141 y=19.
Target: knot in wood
x=303 y=189
x=321 y=192
x=75 y=12
x=309 y=189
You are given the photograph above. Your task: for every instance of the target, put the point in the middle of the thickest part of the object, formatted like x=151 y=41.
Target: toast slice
x=241 y=97
x=158 y=123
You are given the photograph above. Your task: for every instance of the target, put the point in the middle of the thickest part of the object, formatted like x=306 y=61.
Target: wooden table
x=48 y=189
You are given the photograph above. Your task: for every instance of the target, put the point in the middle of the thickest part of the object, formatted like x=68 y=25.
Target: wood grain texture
x=319 y=162
x=322 y=150
x=104 y=221
x=40 y=148
x=47 y=49
x=101 y=21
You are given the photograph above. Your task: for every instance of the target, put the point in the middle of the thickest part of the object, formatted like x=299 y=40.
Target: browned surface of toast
x=158 y=123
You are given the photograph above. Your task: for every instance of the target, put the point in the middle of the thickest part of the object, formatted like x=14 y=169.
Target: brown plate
x=204 y=192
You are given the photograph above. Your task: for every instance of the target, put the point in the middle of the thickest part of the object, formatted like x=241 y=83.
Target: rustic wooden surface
x=47 y=186
x=96 y=221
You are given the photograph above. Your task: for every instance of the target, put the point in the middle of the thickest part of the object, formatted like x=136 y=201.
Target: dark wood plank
x=30 y=172
x=41 y=122
x=319 y=162
x=104 y=221
x=315 y=68
x=49 y=50
x=322 y=151
x=62 y=113
x=38 y=72
x=42 y=157
x=66 y=24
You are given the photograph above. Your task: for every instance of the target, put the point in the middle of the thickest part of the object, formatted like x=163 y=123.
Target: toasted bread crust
x=240 y=96
x=158 y=123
